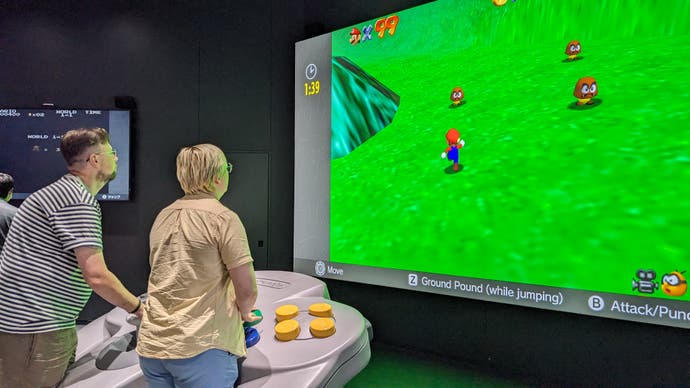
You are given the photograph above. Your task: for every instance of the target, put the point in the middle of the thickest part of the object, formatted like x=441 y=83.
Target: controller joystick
x=256 y=312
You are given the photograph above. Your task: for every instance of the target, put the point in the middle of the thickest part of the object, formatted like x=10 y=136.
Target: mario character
x=585 y=89
x=457 y=95
x=454 y=145
x=573 y=49
x=355 y=36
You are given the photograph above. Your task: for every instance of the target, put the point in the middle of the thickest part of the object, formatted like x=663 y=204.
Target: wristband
x=136 y=308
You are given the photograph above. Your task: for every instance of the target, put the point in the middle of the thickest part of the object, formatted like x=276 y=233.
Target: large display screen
x=30 y=140
x=529 y=152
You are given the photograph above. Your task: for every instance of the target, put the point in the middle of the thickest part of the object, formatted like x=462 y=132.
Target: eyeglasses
x=114 y=152
x=229 y=167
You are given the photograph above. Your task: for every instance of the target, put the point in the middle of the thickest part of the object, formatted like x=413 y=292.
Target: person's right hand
x=251 y=317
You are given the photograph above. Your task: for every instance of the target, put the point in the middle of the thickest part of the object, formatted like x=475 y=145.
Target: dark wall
x=222 y=72
x=212 y=71
x=77 y=55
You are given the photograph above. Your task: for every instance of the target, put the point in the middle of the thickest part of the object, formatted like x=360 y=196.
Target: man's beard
x=106 y=178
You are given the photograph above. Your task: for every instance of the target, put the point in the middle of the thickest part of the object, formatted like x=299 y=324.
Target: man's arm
x=104 y=282
x=244 y=282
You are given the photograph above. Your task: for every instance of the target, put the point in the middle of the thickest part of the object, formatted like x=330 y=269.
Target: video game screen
x=30 y=141
x=532 y=152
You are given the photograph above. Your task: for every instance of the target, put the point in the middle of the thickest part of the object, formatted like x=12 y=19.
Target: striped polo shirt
x=41 y=285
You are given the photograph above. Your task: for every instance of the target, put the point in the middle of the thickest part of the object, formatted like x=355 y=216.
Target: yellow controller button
x=287 y=330
x=286 y=311
x=323 y=310
x=322 y=327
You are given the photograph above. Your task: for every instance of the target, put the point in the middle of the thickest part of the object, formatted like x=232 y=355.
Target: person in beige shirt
x=202 y=284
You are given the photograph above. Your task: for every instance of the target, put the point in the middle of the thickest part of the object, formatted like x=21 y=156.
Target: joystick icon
x=320 y=268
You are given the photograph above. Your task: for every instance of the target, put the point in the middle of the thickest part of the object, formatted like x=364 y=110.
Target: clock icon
x=311 y=71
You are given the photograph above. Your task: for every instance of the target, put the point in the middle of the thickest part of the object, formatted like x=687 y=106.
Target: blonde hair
x=197 y=166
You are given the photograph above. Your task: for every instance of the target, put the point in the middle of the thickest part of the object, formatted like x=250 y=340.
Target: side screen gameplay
x=30 y=141
x=529 y=152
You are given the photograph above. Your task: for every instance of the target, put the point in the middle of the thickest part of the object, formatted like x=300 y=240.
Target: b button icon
x=596 y=303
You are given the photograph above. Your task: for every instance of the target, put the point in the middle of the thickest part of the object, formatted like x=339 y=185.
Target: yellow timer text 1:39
x=311 y=88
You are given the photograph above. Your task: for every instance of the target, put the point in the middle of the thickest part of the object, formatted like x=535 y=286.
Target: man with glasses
x=51 y=262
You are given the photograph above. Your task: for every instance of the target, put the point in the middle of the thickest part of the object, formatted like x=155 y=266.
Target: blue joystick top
x=251 y=336
x=256 y=312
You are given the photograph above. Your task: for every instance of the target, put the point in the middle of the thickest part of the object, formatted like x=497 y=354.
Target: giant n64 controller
x=304 y=340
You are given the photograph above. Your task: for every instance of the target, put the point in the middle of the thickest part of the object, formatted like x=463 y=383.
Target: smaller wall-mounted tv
x=30 y=144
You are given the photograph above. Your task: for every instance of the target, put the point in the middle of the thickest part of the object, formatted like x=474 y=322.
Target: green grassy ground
x=548 y=194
